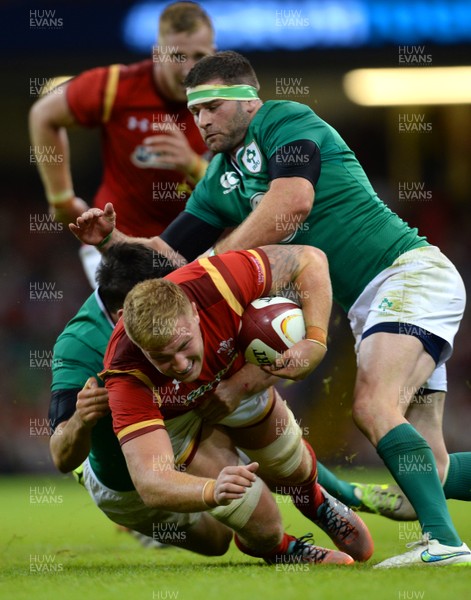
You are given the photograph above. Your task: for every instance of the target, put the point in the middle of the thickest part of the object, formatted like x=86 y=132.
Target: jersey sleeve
x=133 y=407
x=62 y=406
x=85 y=96
x=288 y=122
x=74 y=361
x=132 y=396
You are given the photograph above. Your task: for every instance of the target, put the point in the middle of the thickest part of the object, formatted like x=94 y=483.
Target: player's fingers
x=252 y=467
x=230 y=482
x=240 y=474
x=285 y=373
x=98 y=396
x=109 y=210
x=166 y=129
x=91 y=383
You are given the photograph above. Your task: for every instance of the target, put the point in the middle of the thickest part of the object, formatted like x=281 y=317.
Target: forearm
x=250 y=380
x=155 y=243
x=257 y=230
x=282 y=210
x=164 y=488
x=158 y=244
x=50 y=147
x=314 y=288
x=70 y=444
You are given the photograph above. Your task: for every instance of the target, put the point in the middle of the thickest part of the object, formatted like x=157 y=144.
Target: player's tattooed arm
x=284 y=265
x=303 y=270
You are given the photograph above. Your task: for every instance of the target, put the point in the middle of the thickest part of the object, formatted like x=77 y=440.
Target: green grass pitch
x=65 y=549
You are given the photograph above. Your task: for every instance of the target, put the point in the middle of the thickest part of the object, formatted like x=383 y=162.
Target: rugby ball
x=269 y=327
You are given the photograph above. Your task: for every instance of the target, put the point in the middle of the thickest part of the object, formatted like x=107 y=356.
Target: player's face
x=182 y=357
x=223 y=123
x=175 y=55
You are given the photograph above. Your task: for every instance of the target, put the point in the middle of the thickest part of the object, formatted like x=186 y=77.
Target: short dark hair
x=183 y=17
x=229 y=66
x=123 y=266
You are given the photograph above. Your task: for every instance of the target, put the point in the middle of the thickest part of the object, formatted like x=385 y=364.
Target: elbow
x=63 y=466
x=149 y=499
x=35 y=115
x=316 y=256
x=61 y=462
x=303 y=207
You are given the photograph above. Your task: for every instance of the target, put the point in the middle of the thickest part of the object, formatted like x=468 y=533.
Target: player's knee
x=363 y=414
x=237 y=514
x=281 y=458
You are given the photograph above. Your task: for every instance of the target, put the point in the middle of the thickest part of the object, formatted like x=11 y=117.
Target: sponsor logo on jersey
x=141 y=124
x=226 y=346
x=251 y=158
x=229 y=181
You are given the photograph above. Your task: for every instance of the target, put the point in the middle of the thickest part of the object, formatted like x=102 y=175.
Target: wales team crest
x=251 y=158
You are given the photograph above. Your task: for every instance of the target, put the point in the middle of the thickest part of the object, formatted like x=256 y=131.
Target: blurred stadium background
x=301 y=51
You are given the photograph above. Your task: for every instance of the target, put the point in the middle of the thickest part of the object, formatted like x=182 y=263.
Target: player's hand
x=232 y=482
x=92 y=403
x=94 y=224
x=224 y=399
x=172 y=147
x=297 y=362
x=67 y=212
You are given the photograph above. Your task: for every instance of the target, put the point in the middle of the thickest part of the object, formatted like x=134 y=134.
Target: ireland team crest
x=251 y=158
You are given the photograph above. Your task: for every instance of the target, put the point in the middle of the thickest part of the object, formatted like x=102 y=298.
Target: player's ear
x=195 y=312
x=252 y=106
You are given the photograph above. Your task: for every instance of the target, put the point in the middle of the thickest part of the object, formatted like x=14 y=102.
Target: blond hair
x=151 y=312
x=185 y=17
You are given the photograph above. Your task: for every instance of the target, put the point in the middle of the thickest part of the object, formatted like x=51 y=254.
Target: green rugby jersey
x=360 y=235
x=78 y=354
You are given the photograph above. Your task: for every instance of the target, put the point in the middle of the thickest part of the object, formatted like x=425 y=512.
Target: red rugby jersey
x=221 y=286
x=146 y=199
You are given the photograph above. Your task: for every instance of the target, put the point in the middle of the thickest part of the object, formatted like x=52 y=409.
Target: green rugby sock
x=458 y=481
x=342 y=490
x=412 y=464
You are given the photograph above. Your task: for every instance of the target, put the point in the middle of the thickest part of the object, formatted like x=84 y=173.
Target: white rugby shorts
x=423 y=291
x=184 y=429
x=128 y=509
x=91 y=258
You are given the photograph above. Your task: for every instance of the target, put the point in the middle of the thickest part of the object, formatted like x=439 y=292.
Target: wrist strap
x=317 y=335
x=315 y=342
x=104 y=241
x=207 y=493
x=60 y=197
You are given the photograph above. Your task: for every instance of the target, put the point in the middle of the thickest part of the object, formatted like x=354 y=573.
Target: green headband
x=208 y=93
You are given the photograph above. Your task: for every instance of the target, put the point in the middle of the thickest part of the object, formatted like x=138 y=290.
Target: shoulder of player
x=135 y=70
x=133 y=87
x=90 y=320
x=282 y=109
